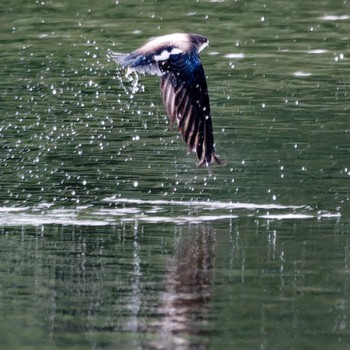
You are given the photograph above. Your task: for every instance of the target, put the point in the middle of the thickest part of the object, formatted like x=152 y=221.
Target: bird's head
x=199 y=41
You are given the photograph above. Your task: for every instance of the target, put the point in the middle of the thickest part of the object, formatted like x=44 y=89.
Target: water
x=110 y=235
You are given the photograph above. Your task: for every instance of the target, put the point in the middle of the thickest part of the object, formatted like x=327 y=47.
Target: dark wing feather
x=138 y=63
x=185 y=95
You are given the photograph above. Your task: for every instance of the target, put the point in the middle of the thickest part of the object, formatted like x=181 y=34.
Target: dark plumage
x=175 y=58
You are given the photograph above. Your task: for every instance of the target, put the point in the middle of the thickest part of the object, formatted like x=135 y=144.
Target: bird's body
x=175 y=58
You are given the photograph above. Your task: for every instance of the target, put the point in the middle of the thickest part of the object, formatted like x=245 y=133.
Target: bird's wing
x=185 y=95
x=137 y=62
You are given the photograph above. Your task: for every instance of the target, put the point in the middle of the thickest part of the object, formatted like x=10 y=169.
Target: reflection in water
x=99 y=285
x=135 y=303
x=184 y=304
x=137 y=285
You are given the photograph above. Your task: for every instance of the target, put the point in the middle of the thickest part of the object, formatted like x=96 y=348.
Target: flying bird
x=175 y=58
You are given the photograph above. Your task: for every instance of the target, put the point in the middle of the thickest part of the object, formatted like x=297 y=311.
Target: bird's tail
x=121 y=58
x=213 y=160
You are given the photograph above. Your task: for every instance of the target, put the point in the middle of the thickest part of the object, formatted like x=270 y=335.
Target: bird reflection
x=184 y=304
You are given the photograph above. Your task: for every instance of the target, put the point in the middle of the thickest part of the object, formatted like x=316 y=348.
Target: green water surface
x=112 y=238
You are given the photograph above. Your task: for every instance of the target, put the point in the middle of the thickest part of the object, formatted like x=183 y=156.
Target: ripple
x=64 y=217
x=317 y=51
x=299 y=216
x=334 y=17
x=12 y=209
x=155 y=211
x=202 y=204
x=180 y=220
x=301 y=74
x=234 y=55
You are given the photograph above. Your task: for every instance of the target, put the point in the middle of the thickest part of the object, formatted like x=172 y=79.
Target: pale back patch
x=178 y=39
x=165 y=54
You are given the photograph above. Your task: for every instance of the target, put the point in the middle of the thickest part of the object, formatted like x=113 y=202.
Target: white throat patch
x=203 y=46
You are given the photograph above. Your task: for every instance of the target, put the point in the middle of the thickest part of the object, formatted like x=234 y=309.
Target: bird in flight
x=175 y=58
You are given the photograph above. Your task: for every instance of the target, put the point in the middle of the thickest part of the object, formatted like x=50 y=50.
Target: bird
x=175 y=58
